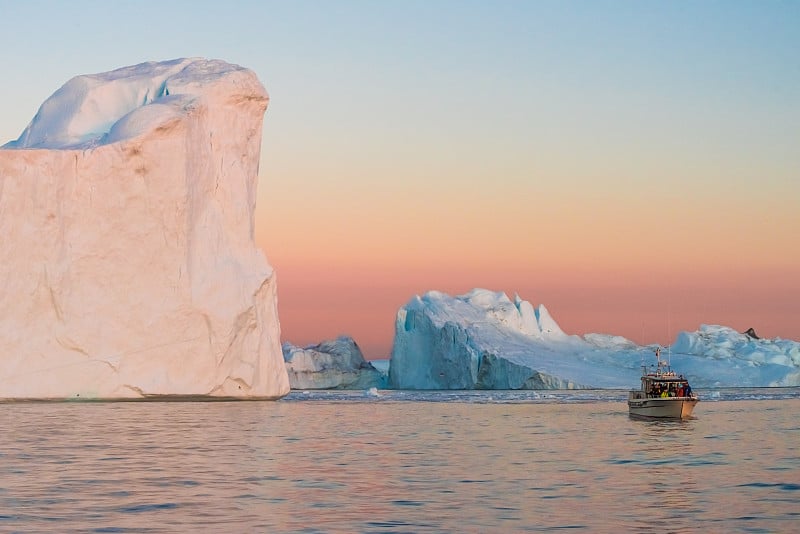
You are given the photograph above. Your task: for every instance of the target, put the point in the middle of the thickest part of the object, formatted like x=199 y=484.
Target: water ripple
x=409 y=462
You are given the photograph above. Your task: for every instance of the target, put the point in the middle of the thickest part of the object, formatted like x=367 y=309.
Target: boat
x=663 y=393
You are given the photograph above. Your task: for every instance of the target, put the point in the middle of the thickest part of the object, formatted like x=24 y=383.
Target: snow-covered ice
x=127 y=220
x=484 y=340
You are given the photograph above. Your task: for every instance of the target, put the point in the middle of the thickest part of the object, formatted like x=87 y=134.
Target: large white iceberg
x=129 y=267
x=333 y=364
x=483 y=340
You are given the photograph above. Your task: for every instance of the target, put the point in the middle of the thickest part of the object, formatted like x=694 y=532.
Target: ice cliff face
x=483 y=340
x=336 y=364
x=128 y=263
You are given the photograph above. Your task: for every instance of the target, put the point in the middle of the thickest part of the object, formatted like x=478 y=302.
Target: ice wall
x=481 y=340
x=128 y=266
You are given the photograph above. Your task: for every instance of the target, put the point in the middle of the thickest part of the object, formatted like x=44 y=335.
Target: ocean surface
x=401 y=461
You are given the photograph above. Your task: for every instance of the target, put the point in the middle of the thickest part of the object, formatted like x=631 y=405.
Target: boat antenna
x=669 y=337
x=658 y=356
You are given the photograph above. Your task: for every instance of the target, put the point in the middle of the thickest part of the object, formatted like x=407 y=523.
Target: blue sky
x=419 y=116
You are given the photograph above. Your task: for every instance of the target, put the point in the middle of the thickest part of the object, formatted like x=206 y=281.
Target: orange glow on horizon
x=318 y=302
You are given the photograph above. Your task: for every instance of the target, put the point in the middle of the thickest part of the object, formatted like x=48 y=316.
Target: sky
x=633 y=166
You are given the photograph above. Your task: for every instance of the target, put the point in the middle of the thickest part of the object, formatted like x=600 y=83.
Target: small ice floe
x=372 y=392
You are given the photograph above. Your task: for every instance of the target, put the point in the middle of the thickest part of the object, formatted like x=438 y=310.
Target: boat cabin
x=662 y=382
x=665 y=385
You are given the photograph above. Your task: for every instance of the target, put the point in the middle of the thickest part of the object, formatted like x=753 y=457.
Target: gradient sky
x=633 y=166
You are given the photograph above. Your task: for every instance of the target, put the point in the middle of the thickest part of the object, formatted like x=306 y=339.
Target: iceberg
x=721 y=356
x=129 y=267
x=484 y=340
x=333 y=364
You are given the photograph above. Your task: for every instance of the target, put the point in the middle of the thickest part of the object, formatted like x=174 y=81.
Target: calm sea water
x=402 y=462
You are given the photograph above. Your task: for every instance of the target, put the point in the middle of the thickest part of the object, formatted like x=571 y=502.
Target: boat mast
x=669 y=339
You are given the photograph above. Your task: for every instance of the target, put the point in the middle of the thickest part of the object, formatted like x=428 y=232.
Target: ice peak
x=547 y=325
x=484 y=307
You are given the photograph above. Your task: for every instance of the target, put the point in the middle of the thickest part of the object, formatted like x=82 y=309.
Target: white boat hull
x=662 y=407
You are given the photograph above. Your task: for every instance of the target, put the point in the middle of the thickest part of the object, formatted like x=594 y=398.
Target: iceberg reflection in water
x=400 y=461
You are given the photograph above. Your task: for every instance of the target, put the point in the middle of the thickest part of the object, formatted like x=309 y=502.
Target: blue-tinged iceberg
x=484 y=340
x=721 y=356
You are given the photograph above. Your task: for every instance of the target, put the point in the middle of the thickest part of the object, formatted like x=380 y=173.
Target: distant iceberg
x=334 y=364
x=484 y=340
x=721 y=356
